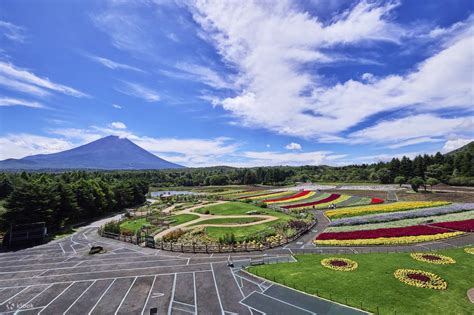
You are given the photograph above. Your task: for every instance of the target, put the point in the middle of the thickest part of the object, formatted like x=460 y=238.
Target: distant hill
x=465 y=148
x=109 y=153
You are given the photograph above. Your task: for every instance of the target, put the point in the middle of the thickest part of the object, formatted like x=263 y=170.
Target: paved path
x=204 y=217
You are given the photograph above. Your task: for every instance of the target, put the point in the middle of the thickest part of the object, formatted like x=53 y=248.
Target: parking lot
x=61 y=278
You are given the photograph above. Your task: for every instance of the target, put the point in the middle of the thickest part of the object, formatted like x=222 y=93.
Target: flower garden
x=397 y=223
x=384 y=283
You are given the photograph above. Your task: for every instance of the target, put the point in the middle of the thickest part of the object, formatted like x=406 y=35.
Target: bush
x=112 y=227
x=207 y=212
x=173 y=235
x=296 y=224
x=228 y=239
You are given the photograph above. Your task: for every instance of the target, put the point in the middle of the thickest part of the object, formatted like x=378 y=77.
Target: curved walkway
x=205 y=217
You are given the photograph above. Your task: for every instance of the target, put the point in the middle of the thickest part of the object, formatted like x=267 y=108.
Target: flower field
x=383 y=208
x=391 y=228
x=299 y=196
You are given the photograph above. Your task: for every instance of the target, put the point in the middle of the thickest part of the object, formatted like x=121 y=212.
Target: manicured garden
x=181 y=218
x=427 y=283
x=226 y=221
x=132 y=226
x=229 y=208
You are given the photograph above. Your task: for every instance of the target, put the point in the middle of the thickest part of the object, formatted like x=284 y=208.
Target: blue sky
x=240 y=83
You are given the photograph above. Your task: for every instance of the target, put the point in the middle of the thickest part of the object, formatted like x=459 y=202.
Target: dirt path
x=204 y=217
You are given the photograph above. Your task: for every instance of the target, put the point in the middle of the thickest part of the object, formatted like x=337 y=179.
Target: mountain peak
x=109 y=153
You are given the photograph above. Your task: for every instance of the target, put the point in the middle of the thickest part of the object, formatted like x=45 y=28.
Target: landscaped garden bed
x=373 y=285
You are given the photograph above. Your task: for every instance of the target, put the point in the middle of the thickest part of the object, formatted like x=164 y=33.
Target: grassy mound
x=373 y=283
x=224 y=221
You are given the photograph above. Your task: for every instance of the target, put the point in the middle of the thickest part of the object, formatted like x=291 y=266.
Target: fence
x=206 y=248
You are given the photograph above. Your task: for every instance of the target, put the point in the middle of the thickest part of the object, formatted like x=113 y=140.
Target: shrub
x=112 y=227
x=296 y=224
x=228 y=239
x=173 y=235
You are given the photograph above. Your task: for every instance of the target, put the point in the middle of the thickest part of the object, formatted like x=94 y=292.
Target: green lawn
x=133 y=225
x=230 y=208
x=373 y=283
x=182 y=218
x=241 y=208
x=248 y=219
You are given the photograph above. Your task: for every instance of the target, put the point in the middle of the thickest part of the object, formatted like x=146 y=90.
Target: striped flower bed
x=266 y=194
x=316 y=197
x=382 y=208
x=415 y=230
x=465 y=225
x=301 y=195
x=332 y=197
x=388 y=240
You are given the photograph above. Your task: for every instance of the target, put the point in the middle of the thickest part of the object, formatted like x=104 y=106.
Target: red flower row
x=415 y=230
x=465 y=225
x=332 y=197
x=300 y=194
x=376 y=200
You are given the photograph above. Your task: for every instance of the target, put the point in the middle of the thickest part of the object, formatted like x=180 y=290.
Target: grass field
x=230 y=208
x=241 y=208
x=248 y=219
x=374 y=285
x=133 y=225
x=182 y=218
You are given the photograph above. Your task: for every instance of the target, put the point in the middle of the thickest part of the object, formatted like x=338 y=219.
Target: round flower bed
x=433 y=258
x=339 y=264
x=421 y=279
x=469 y=250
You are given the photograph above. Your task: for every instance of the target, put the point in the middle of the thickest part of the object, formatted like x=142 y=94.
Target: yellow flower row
x=311 y=194
x=391 y=207
x=326 y=204
x=339 y=264
x=469 y=250
x=389 y=240
x=433 y=258
x=421 y=279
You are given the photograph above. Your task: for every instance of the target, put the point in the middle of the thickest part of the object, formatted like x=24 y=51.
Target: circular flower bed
x=339 y=264
x=469 y=250
x=421 y=279
x=433 y=258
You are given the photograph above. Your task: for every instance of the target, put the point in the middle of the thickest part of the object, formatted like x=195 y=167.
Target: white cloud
x=269 y=158
x=454 y=144
x=21 y=145
x=112 y=64
x=139 y=91
x=275 y=84
x=421 y=126
x=24 y=81
x=116 y=106
x=204 y=75
x=12 y=32
x=118 y=125
x=414 y=141
x=8 y=101
x=293 y=146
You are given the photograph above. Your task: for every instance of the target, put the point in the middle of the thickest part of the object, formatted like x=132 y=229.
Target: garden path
x=203 y=217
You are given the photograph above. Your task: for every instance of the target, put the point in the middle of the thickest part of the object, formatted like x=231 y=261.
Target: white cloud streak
x=113 y=64
x=13 y=32
x=140 y=91
x=8 y=101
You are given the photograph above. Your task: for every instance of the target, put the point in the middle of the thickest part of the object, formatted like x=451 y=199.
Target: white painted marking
x=21 y=291
x=217 y=289
x=149 y=293
x=288 y=303
x=27 y=303
x=70 y=306
x=195 y=295
x=60 y=245
x=172 y=295
x=72 y=246
x=125 y=296
x=102 y=295
x=188 y=261
x=57 y=296
x=179 y=309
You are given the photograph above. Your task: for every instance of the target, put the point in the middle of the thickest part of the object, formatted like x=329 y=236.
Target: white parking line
x=179 y=309
x=70 y=306
x=101 y=296
x=14 y=295
x=172 y=295
x=125 y=296
x=57 y=296
x=195 y=295
x=60 y=245
x=149 y=294
x=217 y=289
x=31 y=300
